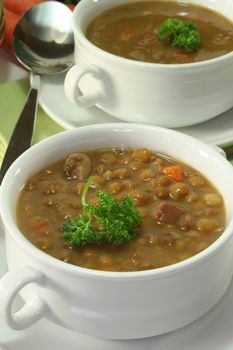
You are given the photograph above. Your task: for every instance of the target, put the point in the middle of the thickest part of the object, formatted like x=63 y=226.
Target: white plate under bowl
x=211 y=332
x=218 y=131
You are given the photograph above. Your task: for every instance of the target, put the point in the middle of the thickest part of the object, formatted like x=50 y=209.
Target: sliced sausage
x=168 y=213
x=166 y=237
x=186 y=222
x=147 y=39
x=77 y=166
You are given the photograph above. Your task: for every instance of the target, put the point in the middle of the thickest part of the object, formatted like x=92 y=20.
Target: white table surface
x=9 y=70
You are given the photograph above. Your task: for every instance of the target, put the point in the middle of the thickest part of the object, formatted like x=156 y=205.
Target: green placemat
x=12 y=99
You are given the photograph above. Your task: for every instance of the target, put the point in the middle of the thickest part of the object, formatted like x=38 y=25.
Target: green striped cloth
x=12 y=98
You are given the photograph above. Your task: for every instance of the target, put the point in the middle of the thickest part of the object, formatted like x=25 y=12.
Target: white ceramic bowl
x=120 y=305
x=169 y=95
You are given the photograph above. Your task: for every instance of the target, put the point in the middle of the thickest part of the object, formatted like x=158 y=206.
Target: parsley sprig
x=108 y=222
x=180 y=34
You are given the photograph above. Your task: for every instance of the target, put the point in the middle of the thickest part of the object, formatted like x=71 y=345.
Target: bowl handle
x=33 y=309
x=71 y=85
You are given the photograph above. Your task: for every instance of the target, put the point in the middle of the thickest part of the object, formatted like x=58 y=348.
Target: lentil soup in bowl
x=169 y=264
x=123 y=67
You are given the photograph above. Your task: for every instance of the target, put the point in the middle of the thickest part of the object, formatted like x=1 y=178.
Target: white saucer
x=211 y=332
x=218 y=131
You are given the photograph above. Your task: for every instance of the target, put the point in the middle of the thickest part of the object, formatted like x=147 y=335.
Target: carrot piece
x=183 y=54
x=108 y=268
x=20 y=6
x=41 y=226
x=174 y=171
x=127 y=35
x=11 y=20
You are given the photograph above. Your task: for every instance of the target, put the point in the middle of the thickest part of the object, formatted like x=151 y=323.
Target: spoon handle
x=22 y=135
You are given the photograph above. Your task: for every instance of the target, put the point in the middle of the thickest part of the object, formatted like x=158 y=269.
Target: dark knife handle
x=22 y=135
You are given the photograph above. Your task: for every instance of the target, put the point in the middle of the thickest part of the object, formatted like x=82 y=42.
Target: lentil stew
x=182 y=211
x=131 y=31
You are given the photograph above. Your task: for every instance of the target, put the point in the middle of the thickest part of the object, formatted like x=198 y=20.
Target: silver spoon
x=43 y=43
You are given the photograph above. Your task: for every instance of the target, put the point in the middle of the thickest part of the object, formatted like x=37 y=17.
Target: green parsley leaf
x=180 y=34
x=108 y=222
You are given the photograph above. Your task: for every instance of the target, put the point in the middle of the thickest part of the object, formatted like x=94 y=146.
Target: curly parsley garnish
x=180 y=34
x=108 y=222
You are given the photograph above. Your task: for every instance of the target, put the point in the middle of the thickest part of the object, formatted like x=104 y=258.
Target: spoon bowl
x=43 y=43
x=43 y=39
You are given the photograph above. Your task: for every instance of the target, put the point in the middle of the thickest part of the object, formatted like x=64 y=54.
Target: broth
x=181 y=215
x=128 y=31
